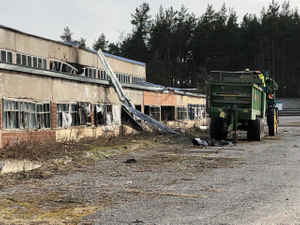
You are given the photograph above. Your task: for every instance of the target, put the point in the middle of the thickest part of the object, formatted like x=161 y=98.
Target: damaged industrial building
x=56 y=91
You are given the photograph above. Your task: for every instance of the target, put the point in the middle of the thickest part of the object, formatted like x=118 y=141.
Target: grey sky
x=90 y=18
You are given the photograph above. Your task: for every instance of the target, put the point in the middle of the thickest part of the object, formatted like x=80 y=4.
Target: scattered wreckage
x=138 y=119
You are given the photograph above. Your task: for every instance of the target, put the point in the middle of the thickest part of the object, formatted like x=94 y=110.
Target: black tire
x=216 y=129
x=272 y=121
x=255 y=130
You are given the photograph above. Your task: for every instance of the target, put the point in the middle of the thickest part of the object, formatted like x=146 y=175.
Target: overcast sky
x=90 y=18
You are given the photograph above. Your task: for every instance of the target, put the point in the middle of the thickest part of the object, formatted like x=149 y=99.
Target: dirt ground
x=155 y=179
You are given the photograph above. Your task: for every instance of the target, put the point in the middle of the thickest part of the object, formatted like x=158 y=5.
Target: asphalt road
x=263 y=187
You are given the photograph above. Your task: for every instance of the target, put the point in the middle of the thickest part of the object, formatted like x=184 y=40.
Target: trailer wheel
x=255 y=130
x=216 y=129
x=272 y=120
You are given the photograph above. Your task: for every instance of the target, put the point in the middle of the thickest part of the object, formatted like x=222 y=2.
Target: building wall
x=15 y=85
x=7 y=39
x=36 y=87
x=196 y=101
x=135 y=96
x=33 y=46
x=168 y=99
x=152 y=98
x=125 y=67
x=181 y=100
x=37 y=46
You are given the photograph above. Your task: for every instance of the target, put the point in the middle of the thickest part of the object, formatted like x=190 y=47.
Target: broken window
x=74 y=111
x=25 y=114
x=85 y=112
x=168 y=113
x=138 y=107
x=61 y=111
x=181 y=113
x=154 y=112
x=5 y=56
x=67 y=115
x=73 y=114
x=60 y=66
x=43 y=115
x=192 y=112
x=10 y=114
x=31 y=61
x=103 y=114
x=196 y=112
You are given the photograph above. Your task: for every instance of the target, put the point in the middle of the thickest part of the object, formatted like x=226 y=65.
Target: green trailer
x=238 y=101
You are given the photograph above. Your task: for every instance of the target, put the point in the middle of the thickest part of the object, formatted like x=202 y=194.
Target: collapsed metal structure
x=137 y=117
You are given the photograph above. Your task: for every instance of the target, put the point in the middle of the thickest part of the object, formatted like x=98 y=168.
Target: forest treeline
x=181 y=49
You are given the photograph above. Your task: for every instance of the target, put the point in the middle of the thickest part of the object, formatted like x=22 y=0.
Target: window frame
x=182 y=111
x=136 y=79
x=108 y=112
x=24 y=114
x=34 y=61
x=87 y=72
x=154 y=111
x=73 y=113
x=60 y=65
x=6 y=56
x=102 y=75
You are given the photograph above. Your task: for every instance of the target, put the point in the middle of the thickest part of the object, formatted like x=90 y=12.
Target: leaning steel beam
x=150 y=120
x=114 y=80
x=135 y=114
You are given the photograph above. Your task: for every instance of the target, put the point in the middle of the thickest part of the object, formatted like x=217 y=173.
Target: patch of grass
x=53 y=206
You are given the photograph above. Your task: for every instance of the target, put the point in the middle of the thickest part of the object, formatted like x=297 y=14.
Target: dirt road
x=170 y=183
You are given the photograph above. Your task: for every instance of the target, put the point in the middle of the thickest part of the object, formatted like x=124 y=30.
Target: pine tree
x=67 y=35
x=134 y=46
x=101 y=43
x=82 y=42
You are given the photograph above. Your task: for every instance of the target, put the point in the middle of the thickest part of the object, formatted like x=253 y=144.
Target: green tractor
x=241 y=100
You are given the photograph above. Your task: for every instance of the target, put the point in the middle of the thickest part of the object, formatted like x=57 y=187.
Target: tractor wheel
x=272 y=121
x=255 y=130
x=216 y=129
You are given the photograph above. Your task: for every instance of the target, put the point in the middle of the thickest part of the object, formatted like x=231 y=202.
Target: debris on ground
x=222 y=142
x=204 y=127
x=199 y=142
x=131 y=160
x=211 y=142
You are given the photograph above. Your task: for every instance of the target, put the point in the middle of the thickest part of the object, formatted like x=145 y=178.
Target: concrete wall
x=288 y=103
x=168 y=99
x=17 y=85
x=23 y=86
x=7 y=39
x=20 y=85
x=196 y=101
x=135 y=96
x=181 y=100
x=45 y=48
x=152 y=98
